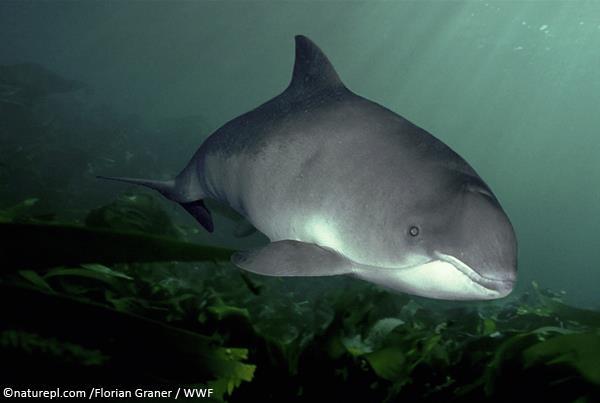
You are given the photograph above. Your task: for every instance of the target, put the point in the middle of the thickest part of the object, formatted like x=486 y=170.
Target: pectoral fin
x=244 y=229
x=292 y=258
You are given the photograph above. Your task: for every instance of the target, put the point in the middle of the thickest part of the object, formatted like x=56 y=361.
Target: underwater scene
x=300 y=201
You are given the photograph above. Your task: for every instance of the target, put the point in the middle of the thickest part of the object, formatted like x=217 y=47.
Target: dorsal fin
x=312 y=70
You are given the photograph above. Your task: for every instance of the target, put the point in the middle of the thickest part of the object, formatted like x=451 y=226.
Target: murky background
x=90 y=296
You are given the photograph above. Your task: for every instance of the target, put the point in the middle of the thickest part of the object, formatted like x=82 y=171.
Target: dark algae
x=133 y=320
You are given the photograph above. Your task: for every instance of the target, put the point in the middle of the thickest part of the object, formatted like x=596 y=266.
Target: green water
x=512 y=86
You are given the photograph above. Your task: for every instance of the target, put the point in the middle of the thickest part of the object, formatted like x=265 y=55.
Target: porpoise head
x=457 y=243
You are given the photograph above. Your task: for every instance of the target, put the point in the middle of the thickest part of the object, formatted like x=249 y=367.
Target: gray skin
x=342 y=185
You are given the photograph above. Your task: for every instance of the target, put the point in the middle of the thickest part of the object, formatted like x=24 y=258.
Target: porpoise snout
x=483 y=244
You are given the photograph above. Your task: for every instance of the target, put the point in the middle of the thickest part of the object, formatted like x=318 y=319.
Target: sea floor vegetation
x=125 y=299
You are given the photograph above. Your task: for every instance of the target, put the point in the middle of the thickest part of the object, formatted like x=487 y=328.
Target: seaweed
x=34 y=245
x=108 y=304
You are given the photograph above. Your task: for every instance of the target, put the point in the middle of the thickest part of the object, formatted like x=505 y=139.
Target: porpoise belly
x=271 y=188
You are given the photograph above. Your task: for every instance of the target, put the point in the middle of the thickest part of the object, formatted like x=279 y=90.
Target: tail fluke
x=199 y=211
x=168 y=189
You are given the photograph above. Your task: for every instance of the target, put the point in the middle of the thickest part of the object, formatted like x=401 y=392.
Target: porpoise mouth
x=443 y=277
x=502 y=287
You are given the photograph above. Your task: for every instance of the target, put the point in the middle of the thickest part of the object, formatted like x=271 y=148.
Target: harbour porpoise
x=342 y=185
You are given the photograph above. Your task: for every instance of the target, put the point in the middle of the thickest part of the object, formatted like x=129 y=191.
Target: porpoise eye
x=413 y=230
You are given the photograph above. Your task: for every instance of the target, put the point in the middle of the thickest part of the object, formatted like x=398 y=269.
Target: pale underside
x=443 y=277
